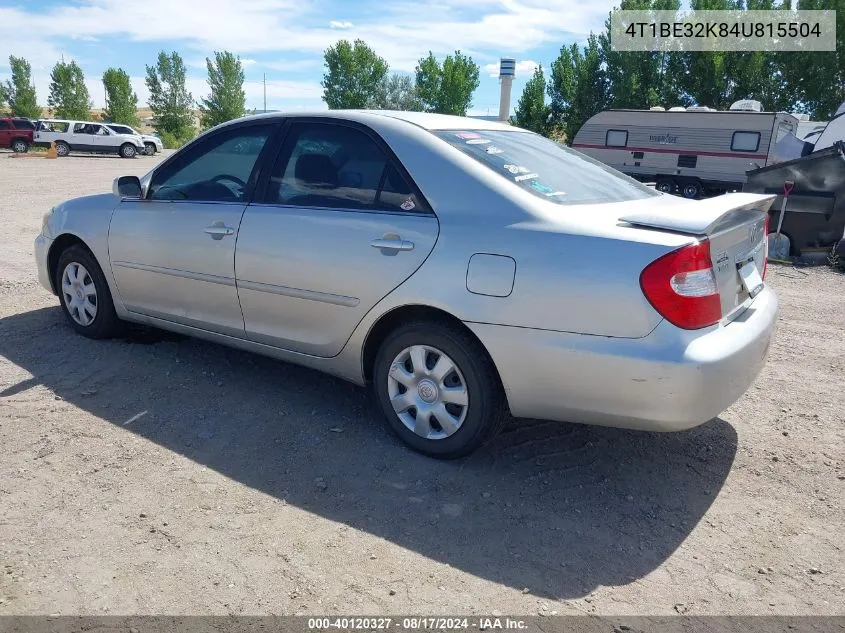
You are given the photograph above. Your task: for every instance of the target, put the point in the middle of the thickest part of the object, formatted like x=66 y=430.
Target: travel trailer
x=688 y=151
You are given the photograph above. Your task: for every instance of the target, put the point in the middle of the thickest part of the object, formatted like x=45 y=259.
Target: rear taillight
x=682 y=287
x=766 y=241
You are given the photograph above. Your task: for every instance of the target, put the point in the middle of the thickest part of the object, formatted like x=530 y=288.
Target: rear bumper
x=670 y=380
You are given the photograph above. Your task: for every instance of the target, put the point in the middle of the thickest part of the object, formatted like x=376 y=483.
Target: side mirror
x=127 y=187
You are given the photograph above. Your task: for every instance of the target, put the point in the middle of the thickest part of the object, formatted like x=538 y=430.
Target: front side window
x=216 y=169
x=122 y=129
x=338 y=167
x=4 y=125
x=546 y=169
x=745 y=141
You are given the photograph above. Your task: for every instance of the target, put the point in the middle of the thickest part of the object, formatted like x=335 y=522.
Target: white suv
x=152 y=144
x=86 y=136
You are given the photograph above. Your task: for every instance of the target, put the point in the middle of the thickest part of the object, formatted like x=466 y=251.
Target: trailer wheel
x=665 y=185
x=691 y=189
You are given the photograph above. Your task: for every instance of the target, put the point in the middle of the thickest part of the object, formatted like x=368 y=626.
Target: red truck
x=16 y=133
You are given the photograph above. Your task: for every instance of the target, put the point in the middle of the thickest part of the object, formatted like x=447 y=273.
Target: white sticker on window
x=407 y=205
x=525 y=177
x=478 y=141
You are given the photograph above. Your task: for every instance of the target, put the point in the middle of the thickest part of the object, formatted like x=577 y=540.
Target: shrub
x=172 y=141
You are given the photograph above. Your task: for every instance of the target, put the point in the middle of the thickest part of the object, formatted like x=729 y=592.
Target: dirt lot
x=165 y=475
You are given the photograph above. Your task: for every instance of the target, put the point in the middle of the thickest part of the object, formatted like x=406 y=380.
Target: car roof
x=425 y=120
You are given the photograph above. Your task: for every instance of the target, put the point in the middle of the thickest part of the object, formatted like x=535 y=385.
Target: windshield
x=545 y=168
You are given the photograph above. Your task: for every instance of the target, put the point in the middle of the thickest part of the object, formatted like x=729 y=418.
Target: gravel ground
x=159 y=474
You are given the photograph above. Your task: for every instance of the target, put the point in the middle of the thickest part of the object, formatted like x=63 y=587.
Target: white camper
x=686 y=151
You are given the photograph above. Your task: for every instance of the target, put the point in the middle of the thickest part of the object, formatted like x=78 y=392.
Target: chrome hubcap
x=80 y=294
x=428 y=392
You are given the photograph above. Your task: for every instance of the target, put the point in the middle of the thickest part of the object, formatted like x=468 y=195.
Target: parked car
x=459 y=266
x=86 y=136
x=152 y=143
x=16 y=133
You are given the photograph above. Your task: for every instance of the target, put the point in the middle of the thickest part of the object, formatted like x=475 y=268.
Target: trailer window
x=546 y=169
x=616 y=138
x=745 y=141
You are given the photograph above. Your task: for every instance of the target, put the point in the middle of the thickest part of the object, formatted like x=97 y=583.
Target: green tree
x=227 y=99
x=69 y=98
x=121 y=100
x=20 y=91
x=353 y=75
x=447 y=88
x=578 y=86
x=397 y=92
x=531 y=111
x=3 y=97
x=817 y=79
x=170 y=100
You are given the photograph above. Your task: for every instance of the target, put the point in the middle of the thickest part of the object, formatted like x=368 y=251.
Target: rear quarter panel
x=577 y=269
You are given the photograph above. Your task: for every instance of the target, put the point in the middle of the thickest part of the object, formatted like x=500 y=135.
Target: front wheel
x=127 y=150
x=438 y=389
x=150 y=149
x=84 y=294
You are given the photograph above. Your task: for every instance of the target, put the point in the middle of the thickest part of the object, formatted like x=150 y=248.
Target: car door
x=82 y=138
x=5 y=133
x=339 y=227
x=105 y=140
x=173 y=252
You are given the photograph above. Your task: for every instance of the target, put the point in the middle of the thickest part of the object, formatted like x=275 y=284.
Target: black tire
x=105 y=323
x=665 y=185
x=150 y=149
x=62 y=148
x=691 y=189
x=486 y=410
x=20 y=146
x=128 y=150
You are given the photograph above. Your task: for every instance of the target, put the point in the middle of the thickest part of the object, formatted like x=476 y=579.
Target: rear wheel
x=128 y=150
x=150 y=149
x=665 y=185
x=691 y=189
x=84 y=294
x=20 y=146
x=62 y=148
x=438 y=389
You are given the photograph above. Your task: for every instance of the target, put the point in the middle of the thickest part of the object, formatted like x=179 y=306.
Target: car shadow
x=556 y=508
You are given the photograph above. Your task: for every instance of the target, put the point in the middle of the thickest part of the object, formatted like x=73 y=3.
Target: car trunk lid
x=735 y=226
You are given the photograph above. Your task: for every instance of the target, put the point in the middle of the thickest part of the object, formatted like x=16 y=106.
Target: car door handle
x=218 y=231
x=392 y=245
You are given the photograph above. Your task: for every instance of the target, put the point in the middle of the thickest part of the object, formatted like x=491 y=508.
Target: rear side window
x=745 y=141
x=546 y=169
x=323 y=165
x=20 y=124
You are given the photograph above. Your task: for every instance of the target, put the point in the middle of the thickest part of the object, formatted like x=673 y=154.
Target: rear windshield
x=546 y=169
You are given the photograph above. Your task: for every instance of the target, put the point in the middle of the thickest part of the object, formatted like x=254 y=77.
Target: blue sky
x=285 y=38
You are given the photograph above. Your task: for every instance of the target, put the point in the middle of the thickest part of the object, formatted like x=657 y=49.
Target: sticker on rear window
x=467 y=135
x=516 y=169
x=478 y=141
x=407 y=205
x=492 y=149
x=526 y=177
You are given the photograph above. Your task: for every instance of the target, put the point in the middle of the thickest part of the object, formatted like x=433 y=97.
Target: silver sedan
x=465 y=269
